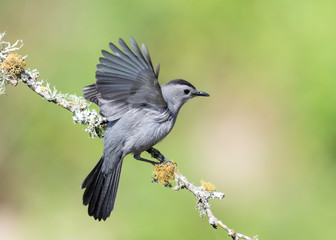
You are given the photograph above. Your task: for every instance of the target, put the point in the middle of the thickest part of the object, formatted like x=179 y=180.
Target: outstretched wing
x=125 y=80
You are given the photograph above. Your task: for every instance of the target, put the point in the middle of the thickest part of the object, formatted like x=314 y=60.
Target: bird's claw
x=166 y=160
x=157 y=155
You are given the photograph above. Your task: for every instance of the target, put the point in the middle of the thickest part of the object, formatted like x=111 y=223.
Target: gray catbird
x=139 y=111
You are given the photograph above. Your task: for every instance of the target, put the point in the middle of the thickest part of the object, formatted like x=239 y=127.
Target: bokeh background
x=266 y=136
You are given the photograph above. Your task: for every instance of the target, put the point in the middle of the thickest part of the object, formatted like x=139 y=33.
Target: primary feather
x=125 y=80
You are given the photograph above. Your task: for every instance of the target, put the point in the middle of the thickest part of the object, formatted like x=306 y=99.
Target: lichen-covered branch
x=12 y=71
x=6 y=47
x=167 y=171
x=77 y=105
x=203 y=196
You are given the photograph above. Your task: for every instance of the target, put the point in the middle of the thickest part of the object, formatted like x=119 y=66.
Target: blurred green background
x=266 y=136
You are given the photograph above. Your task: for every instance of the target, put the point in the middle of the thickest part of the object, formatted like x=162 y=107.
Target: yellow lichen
x=165 y=172
x=208 y=186
x=13 y=65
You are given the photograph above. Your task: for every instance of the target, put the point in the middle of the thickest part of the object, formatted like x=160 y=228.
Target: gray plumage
x=140 y=114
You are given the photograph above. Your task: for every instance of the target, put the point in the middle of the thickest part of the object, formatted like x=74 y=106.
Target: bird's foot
x=138 y=157
x=157 y=155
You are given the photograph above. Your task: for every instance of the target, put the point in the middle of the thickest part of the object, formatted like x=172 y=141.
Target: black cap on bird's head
x=190 y=88
x=179 y=91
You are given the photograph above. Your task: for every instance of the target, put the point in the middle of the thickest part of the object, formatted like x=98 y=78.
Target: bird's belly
x=144 y=137
x=137 y=131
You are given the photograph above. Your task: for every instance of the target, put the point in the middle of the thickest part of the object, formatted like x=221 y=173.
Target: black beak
x=203 y=94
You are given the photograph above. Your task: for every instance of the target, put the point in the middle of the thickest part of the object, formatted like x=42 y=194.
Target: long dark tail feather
x=101 y=190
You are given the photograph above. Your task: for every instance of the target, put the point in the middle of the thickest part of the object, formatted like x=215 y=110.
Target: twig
x=6 y=47
x=96 y=127
x=77 y=105
x=204 y=206
x=203 y=193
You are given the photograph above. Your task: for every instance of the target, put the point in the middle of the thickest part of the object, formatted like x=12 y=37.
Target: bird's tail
x=101 y=190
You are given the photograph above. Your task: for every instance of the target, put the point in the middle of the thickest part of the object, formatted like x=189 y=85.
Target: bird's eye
x=186 y=91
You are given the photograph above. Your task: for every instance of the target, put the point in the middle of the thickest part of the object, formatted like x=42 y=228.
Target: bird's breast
x=146 y=130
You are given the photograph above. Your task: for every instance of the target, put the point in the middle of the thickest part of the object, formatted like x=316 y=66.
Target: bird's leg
x=138 y=157
x=157 y=155
x=154 y=154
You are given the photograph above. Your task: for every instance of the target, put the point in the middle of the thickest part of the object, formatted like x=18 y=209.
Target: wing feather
x=119 y=53
x=125 y=80
x=108 y=62
x=137 y=51
x=114 y=71
x=117 y=59
x=147 y=56
x=157 y=71
x=129 y=52
x=90 y=93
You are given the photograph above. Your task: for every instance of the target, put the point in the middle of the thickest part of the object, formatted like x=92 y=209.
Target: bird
x=140 y=113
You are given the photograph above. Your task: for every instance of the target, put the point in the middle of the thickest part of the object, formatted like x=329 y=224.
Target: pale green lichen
x=2 y=85
x=201 y=193
x=77 y=105
x=95 y=126
x=12 y=71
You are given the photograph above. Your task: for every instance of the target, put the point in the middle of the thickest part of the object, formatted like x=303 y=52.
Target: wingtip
x=121 y=41
x=132 y=39
x=134 y=43
x=157 y=70
x=105 y=53
x=114 y=48
x=101 y=59
x=144 y=48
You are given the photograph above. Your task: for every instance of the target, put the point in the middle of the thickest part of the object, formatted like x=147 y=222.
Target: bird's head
x=179 y=91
